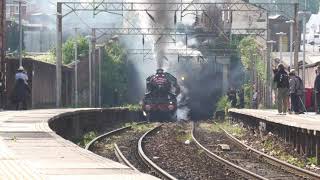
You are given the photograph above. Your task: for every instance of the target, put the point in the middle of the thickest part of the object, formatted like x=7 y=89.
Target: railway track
x=131 y=153
x=232 y=166
x=171 y=148
x=248 y=160
x=159 y=171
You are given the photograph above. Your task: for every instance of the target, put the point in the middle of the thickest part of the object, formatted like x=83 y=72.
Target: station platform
x=29 y=150
x=308 y=121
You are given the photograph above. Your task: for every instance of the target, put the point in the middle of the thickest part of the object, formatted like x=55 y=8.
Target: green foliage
x=87 y=138
x=68 y=49
x=248 y=89
x=233 y=129
x=223 y=104
x=251 y=56
x=133 y=107
x=280 y=154
x=312 y=160
x=114 y=75
x=48 y=58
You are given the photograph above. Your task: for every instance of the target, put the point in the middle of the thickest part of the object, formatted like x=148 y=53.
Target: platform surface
x=29 y=150
x=308 y=121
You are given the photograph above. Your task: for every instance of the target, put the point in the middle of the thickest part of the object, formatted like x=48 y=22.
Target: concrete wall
x=74 y=125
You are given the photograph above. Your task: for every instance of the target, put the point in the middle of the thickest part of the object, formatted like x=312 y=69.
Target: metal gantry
x=172 y=31
x=184 y=8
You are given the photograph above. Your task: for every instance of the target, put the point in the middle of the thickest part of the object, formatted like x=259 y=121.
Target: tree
x=114 y=75
x=251 y=56
x=68 y=48
x=252 y=60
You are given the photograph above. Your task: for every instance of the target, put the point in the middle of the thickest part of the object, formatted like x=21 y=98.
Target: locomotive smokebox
x=160 y=99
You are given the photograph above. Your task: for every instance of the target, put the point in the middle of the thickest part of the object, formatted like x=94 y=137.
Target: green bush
x=223 y=104
x=114 y=75
x=68 y=49
x=87 y=138
x=133 y=107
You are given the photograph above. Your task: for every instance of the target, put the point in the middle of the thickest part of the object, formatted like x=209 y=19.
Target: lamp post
x=281 y=34
x=291 y=22
x=90 y=69
x=99 y=78
x=269 y=72
x=304 y=16
x=76 y=96
x=20 y=30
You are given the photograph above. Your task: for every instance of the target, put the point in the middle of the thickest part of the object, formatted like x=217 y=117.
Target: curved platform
x=309 y=121
x=29 y=149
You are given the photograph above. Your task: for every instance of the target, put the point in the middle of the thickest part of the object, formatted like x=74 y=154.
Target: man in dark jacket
x=21 y=93
x=317 y=89
x=282 y=80
x=296 y=90
x=232 y=97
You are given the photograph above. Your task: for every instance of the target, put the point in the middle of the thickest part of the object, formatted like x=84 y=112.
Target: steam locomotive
x=160 y=99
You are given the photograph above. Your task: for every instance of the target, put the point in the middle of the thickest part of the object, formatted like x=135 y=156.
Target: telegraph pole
x=20 y=2
x=304 y=22
x=2 y=50
x=270 y=44
x=281 y=34
x=296 y=36
x=76 y=98
x=100 y=63
x=291 y=22
x=94 y=67
x=90 y=70
x=20 y=33
x=59 y=55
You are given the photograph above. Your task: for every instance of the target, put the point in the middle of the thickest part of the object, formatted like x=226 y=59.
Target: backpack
x=284 y=80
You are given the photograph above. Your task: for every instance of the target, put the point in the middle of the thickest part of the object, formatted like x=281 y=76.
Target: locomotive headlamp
x=182 y=78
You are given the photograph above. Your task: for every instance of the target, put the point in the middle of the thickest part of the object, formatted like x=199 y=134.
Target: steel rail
x=122 y=158
x=88 y=146
x=274 y=161
x=228 y=164
x=162 y=173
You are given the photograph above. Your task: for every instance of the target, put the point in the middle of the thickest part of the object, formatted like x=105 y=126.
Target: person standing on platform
x=21 y=89
x=22 y=74
x=296 y=92
x=282 y=80
x=317 y=89
x=255 y=100
x=241 y=98
x=232 y=97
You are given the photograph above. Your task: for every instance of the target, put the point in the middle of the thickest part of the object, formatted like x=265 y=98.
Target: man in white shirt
x=21 y=74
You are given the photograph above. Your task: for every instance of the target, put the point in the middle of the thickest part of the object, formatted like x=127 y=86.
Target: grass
x=133 y=107
x=183 y=135
x=87 y=138
x=312 y=161
x=48 y=58
x=140 y=127
x=269 y=146
x=233 y=129
x=291 y=160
